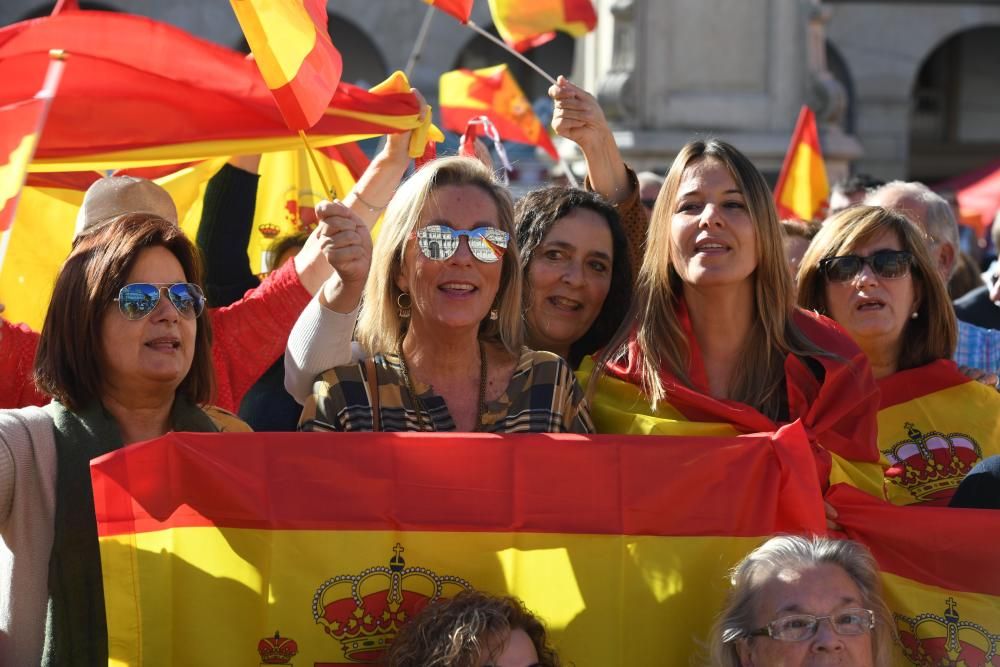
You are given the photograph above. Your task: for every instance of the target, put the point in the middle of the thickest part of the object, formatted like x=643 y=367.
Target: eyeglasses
x=800 y=627
x=137 y=300
x=885 y=263
x=439 y=242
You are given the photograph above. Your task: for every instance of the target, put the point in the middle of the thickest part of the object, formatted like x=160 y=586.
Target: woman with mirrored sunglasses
x=126 y=357
x=870 y=270
x=439 y=333
x=804 y=601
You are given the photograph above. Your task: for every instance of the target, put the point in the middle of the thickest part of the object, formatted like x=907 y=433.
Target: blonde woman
x=714 y=344
x=439 y=334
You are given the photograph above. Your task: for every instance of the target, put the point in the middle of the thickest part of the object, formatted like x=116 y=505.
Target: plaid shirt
x=542 y=397
x=978 y=347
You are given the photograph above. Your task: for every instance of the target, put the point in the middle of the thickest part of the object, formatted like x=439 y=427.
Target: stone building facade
x=902 y=89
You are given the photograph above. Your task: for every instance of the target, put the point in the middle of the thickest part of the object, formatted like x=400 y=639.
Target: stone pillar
x=736 y=69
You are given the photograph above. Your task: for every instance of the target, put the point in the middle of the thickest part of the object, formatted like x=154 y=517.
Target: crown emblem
x=269 y=230
x=931 y=465
x=932 y=640
x=277 y=650
x=365 y=611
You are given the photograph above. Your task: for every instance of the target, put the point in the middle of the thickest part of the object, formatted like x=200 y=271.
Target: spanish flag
x=292 y=47
x=939 y=571
x=934 y=425
x=492 y=91
x=803 y=191
x=170 y=98
x=836 y=412
x=230 y=549
x=460 y=9
x=19 y=127
x=525 y=24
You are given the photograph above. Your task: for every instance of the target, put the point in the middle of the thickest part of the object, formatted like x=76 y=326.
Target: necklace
x=423 y=413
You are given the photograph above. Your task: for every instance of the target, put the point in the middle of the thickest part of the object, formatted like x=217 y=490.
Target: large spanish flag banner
x=803 y=191
x=224 y=549
x=292 y=47
x=492 y=91
x=940 y=573
x=525 y=24
x=934 y=425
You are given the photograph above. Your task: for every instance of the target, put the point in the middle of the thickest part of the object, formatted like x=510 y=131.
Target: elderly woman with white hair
x=804 y=601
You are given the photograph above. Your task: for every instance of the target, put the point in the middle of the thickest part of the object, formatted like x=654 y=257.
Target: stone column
x=736 y=69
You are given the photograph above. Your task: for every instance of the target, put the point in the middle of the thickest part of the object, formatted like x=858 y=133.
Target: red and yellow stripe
x=20 y=125
x=525 y=24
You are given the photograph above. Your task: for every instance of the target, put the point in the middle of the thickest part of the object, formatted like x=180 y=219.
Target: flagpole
x=505 y=46
x=418 y=46
x=312 y=156
x=57 y=62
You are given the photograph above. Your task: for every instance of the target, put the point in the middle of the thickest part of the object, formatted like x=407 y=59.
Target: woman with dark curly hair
x=574 y=256
x=473 y=629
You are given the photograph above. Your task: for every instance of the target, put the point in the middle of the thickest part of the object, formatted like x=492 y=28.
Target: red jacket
x=249 y=336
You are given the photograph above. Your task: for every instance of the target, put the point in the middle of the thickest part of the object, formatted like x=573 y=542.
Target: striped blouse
x=542 y=397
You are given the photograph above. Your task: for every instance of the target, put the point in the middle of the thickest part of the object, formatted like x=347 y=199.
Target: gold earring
x=404 y=308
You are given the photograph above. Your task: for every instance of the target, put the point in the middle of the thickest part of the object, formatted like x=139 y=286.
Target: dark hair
x=858 y=183
x=792 y=228
x=283 y=244
x=535 y=214
x=460 y=631
x=68 y=365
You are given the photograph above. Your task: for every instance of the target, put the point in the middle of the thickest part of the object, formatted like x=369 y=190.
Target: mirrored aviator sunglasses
x=137 y=300
x=885 y=263
x=439 y=242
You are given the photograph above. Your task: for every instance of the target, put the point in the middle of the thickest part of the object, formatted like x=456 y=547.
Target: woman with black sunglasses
x=439 y=334
x=870 y=270
x=126 y=358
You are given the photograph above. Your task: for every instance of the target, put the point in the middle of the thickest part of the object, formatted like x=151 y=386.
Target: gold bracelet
x=373 y=209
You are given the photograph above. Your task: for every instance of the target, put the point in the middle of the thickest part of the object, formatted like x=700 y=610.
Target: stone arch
x=955 y=104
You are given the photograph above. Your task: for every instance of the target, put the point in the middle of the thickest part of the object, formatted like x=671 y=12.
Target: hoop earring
x=404 y=308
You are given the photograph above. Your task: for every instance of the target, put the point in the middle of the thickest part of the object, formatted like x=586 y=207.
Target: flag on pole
x=492 y=91
x=169 y=97
x=525 y=24
x=218 y=549
x=460 y=9
x=939 y=572
x=20 y=127
x=292 y=47
x=803 y=191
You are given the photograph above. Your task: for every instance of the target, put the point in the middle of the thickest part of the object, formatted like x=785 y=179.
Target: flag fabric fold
x=493 y=92
x=211 y=544
x=803 y=191
x=460 y=9
x=525 y=24
x=20 y=123
x=939 y=571
x=167 y=97
x=297 y=59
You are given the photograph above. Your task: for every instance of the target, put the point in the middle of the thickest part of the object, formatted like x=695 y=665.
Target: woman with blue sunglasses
x=439 y=334
x=126 y=357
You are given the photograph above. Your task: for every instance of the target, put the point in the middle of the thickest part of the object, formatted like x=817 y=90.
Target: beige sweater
x=27 y=520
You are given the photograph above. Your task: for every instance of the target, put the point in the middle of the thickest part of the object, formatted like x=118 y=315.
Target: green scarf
x=76 y=631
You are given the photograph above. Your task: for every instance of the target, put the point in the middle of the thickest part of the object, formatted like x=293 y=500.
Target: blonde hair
x=789 y=552
x=758 y=381
x=380 y=328
x=934 y=333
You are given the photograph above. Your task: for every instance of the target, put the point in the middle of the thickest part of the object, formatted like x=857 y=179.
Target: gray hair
x=940 y=224
x=798 y=553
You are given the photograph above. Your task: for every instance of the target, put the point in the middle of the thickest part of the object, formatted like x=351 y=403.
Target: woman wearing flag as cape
x=714 y=344
x=870 y=270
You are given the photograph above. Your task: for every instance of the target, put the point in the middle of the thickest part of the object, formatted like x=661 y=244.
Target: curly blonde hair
x=461 y=631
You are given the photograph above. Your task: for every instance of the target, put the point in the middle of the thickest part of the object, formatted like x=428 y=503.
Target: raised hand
x=346 y=243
